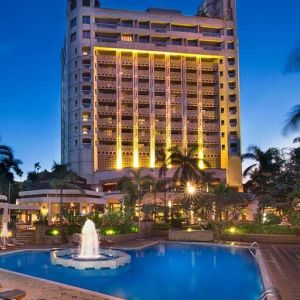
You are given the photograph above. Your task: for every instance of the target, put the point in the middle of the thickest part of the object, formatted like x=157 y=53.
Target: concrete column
x=184 y=104
x=135 y=111
x=168 y=103
x=152 y=110
x=119 y=162
x=49 y=213
x=200 y=116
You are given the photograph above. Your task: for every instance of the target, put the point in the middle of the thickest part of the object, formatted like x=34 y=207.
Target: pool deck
x=282 y=262
x=283 y=265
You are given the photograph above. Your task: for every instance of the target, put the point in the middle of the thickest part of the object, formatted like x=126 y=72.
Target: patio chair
x=16 y=242
x=12 y=295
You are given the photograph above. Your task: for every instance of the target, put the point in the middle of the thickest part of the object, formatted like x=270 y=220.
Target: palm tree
x=268 y=161
x=206 y=179
x=185 y=163
x=162 y=160
x=292 y=123
x=63 y=178
x=134 y=187
x=9 y=166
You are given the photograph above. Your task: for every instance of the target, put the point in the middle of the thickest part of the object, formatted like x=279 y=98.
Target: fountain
x=90 y=256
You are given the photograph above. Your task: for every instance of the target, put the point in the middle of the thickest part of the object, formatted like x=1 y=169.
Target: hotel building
x=135 y=81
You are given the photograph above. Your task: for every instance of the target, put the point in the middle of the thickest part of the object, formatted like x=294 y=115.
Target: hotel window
x=73 y=4
x=230 y=46
x=86 y=116
x=73 y=22
x=127 y=38
x=86 y=51
x=86 y=2
x=86 y=20
x=76 y=143
x=73 y=37
x=86 y=34
x=230 y=31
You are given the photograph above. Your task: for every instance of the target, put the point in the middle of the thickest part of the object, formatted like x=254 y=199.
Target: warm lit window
x=127 y=38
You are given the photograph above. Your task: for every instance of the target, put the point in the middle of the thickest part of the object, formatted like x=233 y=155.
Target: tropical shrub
x=262 y=229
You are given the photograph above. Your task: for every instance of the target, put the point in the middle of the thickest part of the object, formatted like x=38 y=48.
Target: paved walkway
x=40 y=290
x=283 y=264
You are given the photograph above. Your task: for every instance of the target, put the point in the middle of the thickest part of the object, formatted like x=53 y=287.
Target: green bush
x=262 y=229
x=162 y=226
x=295 y=219
x=110 y=223
x=176 y=223
x=272 y=219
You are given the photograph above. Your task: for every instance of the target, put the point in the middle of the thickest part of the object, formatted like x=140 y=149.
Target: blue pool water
x=164 y=271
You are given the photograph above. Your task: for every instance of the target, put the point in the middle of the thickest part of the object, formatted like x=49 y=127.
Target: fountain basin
x=108 y=259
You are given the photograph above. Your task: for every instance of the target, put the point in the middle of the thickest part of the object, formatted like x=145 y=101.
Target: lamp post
x=191 y=190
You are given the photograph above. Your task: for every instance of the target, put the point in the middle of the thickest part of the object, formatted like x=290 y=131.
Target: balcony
x=107 y=40
x=143 y=74
x=210 y=91
x=109 y=136
x=209 y=67
x=143 y=86
x=192 y=113
x=192 y=101
x=107 y=72
x=192 y=138
x=211 y=139
x=210 y=115
x=107 y=85
x=107 y=25
x=106 y=59
x=107 y=111
x=209 y=79
x=127 y=137
x=176 y=138
x=159 y=75
x=107 y=123
x=209 y=127
x=160 y=87
x=191 y=89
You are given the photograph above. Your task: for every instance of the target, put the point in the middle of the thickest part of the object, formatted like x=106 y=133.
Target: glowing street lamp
x=191 y=189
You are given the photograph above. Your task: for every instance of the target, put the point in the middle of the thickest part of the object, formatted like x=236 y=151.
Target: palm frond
x=292 y=123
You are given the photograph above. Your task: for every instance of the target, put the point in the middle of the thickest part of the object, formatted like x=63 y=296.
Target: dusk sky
x=31 y=36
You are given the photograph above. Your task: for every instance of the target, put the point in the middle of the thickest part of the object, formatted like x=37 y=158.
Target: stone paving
x=283 y=264
x=39 y=290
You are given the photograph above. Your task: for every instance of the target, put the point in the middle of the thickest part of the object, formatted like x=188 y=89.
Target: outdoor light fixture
x=191 y=189
x=232 y=230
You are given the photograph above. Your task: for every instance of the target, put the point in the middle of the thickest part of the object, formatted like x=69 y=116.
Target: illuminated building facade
x=137 y=81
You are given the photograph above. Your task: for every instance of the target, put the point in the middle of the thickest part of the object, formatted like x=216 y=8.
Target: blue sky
x=31 y=37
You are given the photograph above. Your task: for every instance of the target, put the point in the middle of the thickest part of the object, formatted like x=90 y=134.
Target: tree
x=292 y=123
x=162 y=160
x=134 y=187
x=269 y=161
x=224 y=203
x=186 y=165
x=63 y=178
x=9 y=166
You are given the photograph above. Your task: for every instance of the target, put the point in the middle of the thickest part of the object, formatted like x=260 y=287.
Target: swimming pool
x=168 y=271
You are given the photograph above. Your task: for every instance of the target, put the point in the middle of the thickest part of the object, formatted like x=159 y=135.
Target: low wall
x=119 y=237
x=160 y=233
x=191 y=236
x=262 y=238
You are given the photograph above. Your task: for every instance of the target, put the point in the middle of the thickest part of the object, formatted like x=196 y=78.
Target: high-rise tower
x=137 y=81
